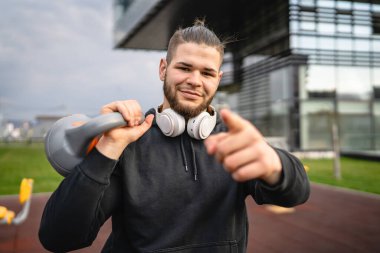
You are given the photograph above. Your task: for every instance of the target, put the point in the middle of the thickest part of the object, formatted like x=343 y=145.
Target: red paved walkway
x=333 y=220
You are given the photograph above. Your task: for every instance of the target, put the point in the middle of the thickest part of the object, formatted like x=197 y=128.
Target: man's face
x=191 y=79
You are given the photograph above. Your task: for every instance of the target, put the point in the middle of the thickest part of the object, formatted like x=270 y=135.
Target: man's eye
x=184 y=69
x=208 y=74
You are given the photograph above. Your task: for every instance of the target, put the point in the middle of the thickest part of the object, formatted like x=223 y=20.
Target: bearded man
x=178 y=181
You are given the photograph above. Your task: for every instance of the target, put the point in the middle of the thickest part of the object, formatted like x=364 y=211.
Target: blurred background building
x=296 y=68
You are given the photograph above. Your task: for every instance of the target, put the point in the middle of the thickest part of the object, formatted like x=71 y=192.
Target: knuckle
x=105 y=109
x=239 y=176
x=222 y=150
x=230 y=163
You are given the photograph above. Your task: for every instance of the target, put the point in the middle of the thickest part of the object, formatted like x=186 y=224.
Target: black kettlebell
x=66 y=143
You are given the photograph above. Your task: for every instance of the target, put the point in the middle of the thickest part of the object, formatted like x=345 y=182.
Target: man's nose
x=194 y=78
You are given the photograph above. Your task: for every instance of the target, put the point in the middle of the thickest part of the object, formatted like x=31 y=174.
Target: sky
x=57 y=58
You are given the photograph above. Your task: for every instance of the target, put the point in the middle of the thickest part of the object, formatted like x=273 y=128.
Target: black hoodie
x=164 y=194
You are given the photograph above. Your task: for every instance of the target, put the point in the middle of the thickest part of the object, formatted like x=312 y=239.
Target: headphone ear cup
x=201 y=126
x=171 y=123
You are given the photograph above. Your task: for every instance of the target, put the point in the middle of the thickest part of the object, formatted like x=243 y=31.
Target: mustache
x=187 y=88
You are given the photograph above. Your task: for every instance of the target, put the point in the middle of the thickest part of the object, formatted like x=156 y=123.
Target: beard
x=186 y=111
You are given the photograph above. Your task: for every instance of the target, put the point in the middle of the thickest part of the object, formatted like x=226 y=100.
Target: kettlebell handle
x=66 y=144
x=79 y=137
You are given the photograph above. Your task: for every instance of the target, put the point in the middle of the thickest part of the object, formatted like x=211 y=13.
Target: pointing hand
x=243 y=151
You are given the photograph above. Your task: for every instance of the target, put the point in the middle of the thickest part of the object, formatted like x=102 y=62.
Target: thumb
x=233 y=121
x=147 y=123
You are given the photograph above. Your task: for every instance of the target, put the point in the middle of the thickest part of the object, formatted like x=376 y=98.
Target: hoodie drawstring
x=194 y=163
x=193 y=157
x=184 y=155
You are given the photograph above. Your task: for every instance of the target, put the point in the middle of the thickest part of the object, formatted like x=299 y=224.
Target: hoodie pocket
x=212 y=247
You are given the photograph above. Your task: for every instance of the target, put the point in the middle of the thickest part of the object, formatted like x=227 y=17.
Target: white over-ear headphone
x=173 y=124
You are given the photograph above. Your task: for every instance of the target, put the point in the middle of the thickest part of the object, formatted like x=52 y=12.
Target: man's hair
x=199 y=34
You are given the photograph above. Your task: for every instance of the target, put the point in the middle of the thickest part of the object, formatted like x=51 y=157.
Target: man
x=167 y=184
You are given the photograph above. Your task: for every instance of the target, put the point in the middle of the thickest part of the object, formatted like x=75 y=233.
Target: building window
x=307 y=3
x=326 y=3
x=343 y=28
x=353 y=82
x=362 y=6
x=326 y=28
x=308 y=42
x=344 y=5
x=376 y=23
x=362 y=45
x=308 y=26
x=376 y=92
x=326 y=43
x=362 y=30
x=344 y=44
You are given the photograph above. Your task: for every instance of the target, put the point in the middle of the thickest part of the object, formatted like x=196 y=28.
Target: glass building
x=341 y=80
x=296 y=69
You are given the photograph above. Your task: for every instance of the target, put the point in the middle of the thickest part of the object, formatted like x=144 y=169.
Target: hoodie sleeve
x=293 y=188
x=80 y=205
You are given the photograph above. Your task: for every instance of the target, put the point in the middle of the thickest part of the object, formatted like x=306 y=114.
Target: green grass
x=20 y=160
x=356 y=174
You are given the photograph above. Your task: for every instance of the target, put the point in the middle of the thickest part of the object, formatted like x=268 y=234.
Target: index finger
x=233 y=121
x=129 y=109
x=236 y=123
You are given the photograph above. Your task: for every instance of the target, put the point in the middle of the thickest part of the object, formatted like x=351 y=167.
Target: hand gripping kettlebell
x=66 y=143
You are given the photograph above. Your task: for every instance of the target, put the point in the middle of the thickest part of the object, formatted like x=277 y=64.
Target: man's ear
x=220 y=75
x=163 y=67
